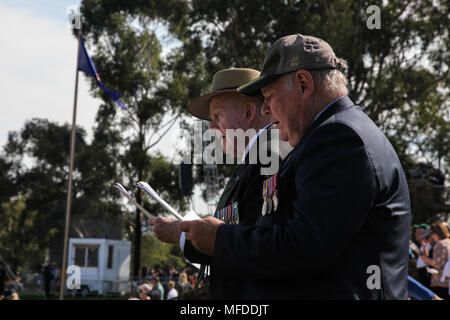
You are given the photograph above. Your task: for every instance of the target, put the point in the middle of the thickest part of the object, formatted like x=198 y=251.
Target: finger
x=185 y=226
x=152 y=220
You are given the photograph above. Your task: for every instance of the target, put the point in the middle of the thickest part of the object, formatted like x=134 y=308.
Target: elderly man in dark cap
x=231 y=113
x=341 y=229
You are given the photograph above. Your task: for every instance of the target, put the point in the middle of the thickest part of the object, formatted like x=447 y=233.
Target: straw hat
x=224 y=81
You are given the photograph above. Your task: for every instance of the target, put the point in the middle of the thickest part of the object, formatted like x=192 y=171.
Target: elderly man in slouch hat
x=241 y=200
x=341 y=229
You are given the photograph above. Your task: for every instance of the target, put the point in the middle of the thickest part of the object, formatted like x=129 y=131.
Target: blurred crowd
x=169 y=284
x=430 y=248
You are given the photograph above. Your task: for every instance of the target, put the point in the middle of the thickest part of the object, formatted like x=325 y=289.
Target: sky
x=37 y=71
x=37 y=63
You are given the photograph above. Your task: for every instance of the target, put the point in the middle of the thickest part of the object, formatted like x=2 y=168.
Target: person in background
x=172 y=292
x=173 y=274
x=424 y=276
x=441 y=254
x=157 y=286
x=157 y=281
x=50 y=273
x=183 y=283
x=155 y=293
x=142 y=292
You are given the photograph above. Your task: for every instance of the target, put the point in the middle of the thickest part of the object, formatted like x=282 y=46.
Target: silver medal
x=264 y=208
x=275 y=202
x=269 y=206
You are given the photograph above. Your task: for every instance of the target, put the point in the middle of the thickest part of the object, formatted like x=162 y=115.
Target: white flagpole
x=69 y=188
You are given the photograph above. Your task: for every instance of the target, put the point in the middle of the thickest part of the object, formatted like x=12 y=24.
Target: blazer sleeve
x=335 y=186
x=193 y=255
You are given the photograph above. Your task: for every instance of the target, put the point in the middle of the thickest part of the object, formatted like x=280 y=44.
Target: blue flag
x=86 y=65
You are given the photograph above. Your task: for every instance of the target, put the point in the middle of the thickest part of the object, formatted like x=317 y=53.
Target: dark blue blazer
x=341 y=230
x=244 y=189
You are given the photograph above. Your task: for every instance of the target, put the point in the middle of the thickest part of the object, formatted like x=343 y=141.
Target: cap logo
x=294 y=61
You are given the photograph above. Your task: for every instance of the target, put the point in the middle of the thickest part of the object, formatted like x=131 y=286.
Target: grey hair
x=332 y=81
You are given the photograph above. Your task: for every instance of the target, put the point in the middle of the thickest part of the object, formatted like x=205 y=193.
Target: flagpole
x=69 y=187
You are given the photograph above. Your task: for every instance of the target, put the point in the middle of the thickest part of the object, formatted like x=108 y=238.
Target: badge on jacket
x=270 y=195
x=229 y=214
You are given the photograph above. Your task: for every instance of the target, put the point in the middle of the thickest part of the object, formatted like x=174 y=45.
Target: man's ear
x=250 y=111
x=304 y=82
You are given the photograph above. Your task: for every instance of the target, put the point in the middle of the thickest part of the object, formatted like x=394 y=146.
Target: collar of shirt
x=321 y=111
x=252 y=141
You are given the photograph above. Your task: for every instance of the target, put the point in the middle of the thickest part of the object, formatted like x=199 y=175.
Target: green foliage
x=159 y=255
x=18 y=239
x=398 y=74
x=36 y=160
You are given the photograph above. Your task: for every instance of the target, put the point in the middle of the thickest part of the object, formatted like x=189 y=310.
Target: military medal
x=275 y=193
x=269 y=196
x=229 y=214
x=264 y=208
x=264 y=195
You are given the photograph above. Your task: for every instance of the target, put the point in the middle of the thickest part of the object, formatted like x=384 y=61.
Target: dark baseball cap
x=292 y=53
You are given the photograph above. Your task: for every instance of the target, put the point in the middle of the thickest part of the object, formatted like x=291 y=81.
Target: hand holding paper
x=202 y=233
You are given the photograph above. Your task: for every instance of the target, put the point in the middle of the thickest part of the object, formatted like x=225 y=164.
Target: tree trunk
x=137 y=238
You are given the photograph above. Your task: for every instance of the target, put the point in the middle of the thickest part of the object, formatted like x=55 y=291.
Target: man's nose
x=265 y=108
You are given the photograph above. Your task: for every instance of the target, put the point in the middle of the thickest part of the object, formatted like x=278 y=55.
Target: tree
x=128 y=56
x=399 y=74
x=159 y=255
x=17 y=237
x=36 y=163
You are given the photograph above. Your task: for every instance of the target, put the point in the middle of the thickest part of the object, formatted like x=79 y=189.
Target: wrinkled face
x=286 y=110
x=225 y=113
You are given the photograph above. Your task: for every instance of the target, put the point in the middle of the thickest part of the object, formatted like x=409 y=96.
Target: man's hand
x=165 y=229
x=202 y=233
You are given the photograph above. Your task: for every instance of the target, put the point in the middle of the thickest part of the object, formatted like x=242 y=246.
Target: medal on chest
x=270 y=195
x=229 y=214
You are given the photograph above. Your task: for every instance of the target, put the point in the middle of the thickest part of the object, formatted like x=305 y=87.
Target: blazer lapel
x=231 y=185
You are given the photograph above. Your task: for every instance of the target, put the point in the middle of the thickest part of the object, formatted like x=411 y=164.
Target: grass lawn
x=40 y=296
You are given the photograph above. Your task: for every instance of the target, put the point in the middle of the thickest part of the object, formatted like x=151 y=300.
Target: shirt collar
x=321 y=111
x=252 y=141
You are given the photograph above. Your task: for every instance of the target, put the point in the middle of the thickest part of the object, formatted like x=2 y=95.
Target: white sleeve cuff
x=182 y=241
x=190 y=216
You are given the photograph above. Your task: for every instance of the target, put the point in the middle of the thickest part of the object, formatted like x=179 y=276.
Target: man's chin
x=230 y=151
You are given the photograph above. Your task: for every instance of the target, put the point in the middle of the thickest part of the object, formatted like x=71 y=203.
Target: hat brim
x=254 y=87
x=426 y=234
x=199 y=107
